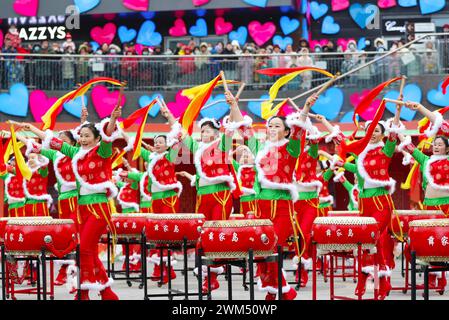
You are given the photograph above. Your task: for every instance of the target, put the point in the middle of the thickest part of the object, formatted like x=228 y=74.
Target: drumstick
x=223 y=78
x=293 y=104
x=242 y=87
x=394 y=101
x=401 y=89
x=328 y=84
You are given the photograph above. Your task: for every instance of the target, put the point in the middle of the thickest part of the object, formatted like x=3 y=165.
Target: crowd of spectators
x=192 y=63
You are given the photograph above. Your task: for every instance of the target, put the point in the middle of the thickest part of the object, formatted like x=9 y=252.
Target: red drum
x=407 y=216
x=344 y=233
x=29 y=236
x=172 y=228
x=430 y=239
x=236 y=216
x=233 y=238
x=344 y=213
x=4 y=221
x=130 y=225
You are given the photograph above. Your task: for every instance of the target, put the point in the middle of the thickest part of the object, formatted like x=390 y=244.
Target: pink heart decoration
x=199 y=3
x=1 y=38
x=321 y=42
x=222 y=27
x=179 y=105
x=385 y=4
x=27 y=8
x=179 y=29
x=339 y=5
x=109 y=16
x=369 y=113
x=138 y=5
x=344 y=42
x=105 y=34
x=261 y=33
x=104 y=101
x=40 y=103
x=179 y=14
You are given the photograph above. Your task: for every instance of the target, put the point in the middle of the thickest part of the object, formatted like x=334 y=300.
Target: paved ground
x=345 y=288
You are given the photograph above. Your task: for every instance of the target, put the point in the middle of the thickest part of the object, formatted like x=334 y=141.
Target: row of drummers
x=277 y=177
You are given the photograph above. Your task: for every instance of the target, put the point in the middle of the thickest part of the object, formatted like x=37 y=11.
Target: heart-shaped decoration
x=109 y=16
x=344 y=43
x=148 y=15
x=104 y=101
x=289 y=25
x=27 y=8
x=137 y=5
x=222 y=27
x=282 y=42
x=148 y=36
x=436 y=97
x=408 y=3
x=201 y=12
x=431 y=6
x=179 y=29
x=199 y=29
x=369 y=113
x=329 y=103
x=94 y=45
x=321 y=43
x=412 y=92
x=104 y=35
x=347 y=118
x=1 y=38
x=126 y=35
x=261 y=33
x=240 y=35
x=286 y=9
x=15 y=103
x=180 y=104
x=363 y=15
x=40 y=103
x=216 y=111
x=255 y=107
x=75 y=106
x=329 y=26
x=86 y=5
x=257 y=3
x=340 y=5
x=318 y=10
x=361 y=44
x=385 y=4
x=199 y=3
x=146 y=100
x=179 y=13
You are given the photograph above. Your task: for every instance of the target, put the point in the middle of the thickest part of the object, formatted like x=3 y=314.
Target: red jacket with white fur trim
x=36 y=188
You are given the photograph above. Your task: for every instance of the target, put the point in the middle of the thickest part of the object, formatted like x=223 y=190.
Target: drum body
x=407 y=216
x=343 y=213
x=130 y=225
x=344 y=233
x=237 y=216
x=430 y=239
x=172 y=228
x=4 y=221
x=234 y=238
x=30 y=236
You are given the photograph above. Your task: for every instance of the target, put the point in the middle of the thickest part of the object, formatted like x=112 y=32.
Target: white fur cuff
x=433 y=128
x=101 y=127
x=335 y=132
x=247 y=122
x=403 y=145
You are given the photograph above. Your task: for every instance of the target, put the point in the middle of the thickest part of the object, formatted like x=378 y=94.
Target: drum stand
x=202 y=260
x=336 y=254
x=436 y=267
x=352 y=273
x=126 y=241
x=169 y=247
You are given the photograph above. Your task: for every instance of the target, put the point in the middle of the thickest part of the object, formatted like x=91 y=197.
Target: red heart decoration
x=369 y=113
x=179 y=29
x=27 y=8
x=40 y=104
x=104 y=101
x=138 y=5
x=104 y=35
x=261 y=33
x=199 y=3
x=180 y=104
x=339 y=5
x=385 y=4
x=222 y=27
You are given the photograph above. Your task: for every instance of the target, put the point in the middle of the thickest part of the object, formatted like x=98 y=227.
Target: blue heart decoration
x=407 y=3
x=329 y=26
x=94 y=45
x=318 y=10
x=255 y=107
x=412 y=92
x=217 y=111
x=126 y=35
x=86 y=5
x=431 y=6
x=289 y=25
x=75 y=106
x=282 y=42
x=199 y=29
x=147 y=36
x=437 y=97
x=286 y=9
x=329 y=103
x=347 y=118
x=363 y=15
x=146 y=100
x=201 y=12
x=15 y=103
x=361 y=44
x=148 y=15
x=257 y=3
x=240 y=35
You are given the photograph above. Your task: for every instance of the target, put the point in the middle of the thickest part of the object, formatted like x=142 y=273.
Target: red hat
x=68 y=36
x=446 y=26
